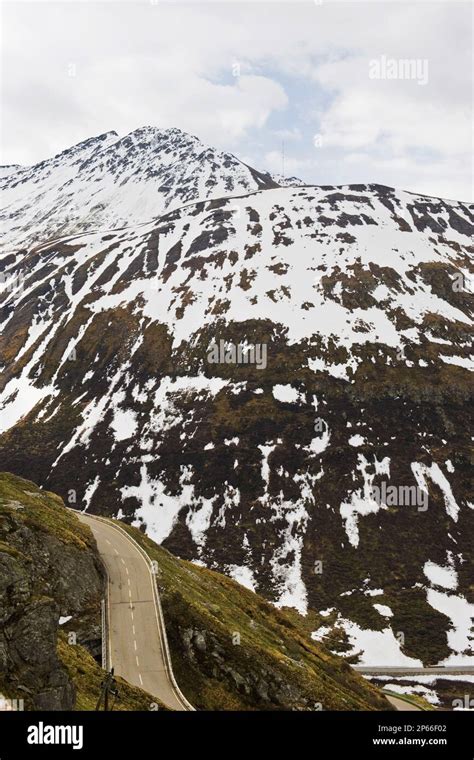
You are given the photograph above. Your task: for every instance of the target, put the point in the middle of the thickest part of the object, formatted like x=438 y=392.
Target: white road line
x=115 y=550
x=108 y=542
x=141 y=679
x=126 y=569
x=128 y=581
x=136 y=658
x=135 y=644
x=122 y=561
x=133 y=629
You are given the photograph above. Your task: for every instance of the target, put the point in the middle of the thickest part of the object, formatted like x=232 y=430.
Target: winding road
x=137 y=648
x=137 y=645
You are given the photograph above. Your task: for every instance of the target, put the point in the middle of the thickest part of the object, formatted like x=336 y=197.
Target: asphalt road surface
x=137 y=650
x=400 y=704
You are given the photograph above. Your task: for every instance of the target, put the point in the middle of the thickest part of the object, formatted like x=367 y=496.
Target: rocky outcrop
x=49 y=573
x=261 y=685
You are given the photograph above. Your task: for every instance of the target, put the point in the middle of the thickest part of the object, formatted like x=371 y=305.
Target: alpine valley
x=126 y=259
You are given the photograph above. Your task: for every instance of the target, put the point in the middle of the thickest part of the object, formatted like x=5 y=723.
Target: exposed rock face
x=360 y=295
x=49 y=568
x=258 y=684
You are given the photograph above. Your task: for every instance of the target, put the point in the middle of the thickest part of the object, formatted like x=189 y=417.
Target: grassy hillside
x=41 y=511
x=232 y=650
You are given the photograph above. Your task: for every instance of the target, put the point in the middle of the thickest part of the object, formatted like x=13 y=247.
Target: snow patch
x=422 y=471
x=286 y=393
x=441 y=576
x=243 y=575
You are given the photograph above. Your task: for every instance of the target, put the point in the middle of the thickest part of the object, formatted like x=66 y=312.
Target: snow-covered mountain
x=109 y=182
x=112 y=396
x=283 y=181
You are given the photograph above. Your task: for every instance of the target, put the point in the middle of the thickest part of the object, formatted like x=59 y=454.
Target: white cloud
x=288 y=134
x=272 y=161
x=303 y=70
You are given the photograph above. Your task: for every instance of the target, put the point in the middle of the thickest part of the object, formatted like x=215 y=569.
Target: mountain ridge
x=107 y=180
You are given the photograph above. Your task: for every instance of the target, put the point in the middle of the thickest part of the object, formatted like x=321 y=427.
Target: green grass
x=276 y=665
x=41 y=510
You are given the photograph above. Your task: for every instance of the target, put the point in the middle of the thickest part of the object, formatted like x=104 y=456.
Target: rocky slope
x=110 y=181
x=50 y=574
x=360 y=295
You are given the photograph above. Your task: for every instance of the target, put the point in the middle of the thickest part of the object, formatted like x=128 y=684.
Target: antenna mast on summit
x=282 y=159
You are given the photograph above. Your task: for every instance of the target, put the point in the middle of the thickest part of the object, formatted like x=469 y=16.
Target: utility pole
x=107 y=688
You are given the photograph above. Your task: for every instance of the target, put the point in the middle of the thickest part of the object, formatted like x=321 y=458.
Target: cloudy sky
x=307 y=79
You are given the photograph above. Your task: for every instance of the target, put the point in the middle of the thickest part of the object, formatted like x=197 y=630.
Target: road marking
x=130 y=592
x=133 y=629
x=115 y=550
x=136 y=658
x=126 y=569
x=128 y=581
x=141 y=679
x=108 y=542
x=135 y=644
x=122 y=561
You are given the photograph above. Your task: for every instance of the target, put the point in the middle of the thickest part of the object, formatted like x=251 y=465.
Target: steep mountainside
x=7 y=169
x=231 y=650
x=109 y=182
x=358 y=300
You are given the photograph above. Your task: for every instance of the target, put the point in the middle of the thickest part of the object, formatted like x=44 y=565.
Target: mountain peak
x=117 y=180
